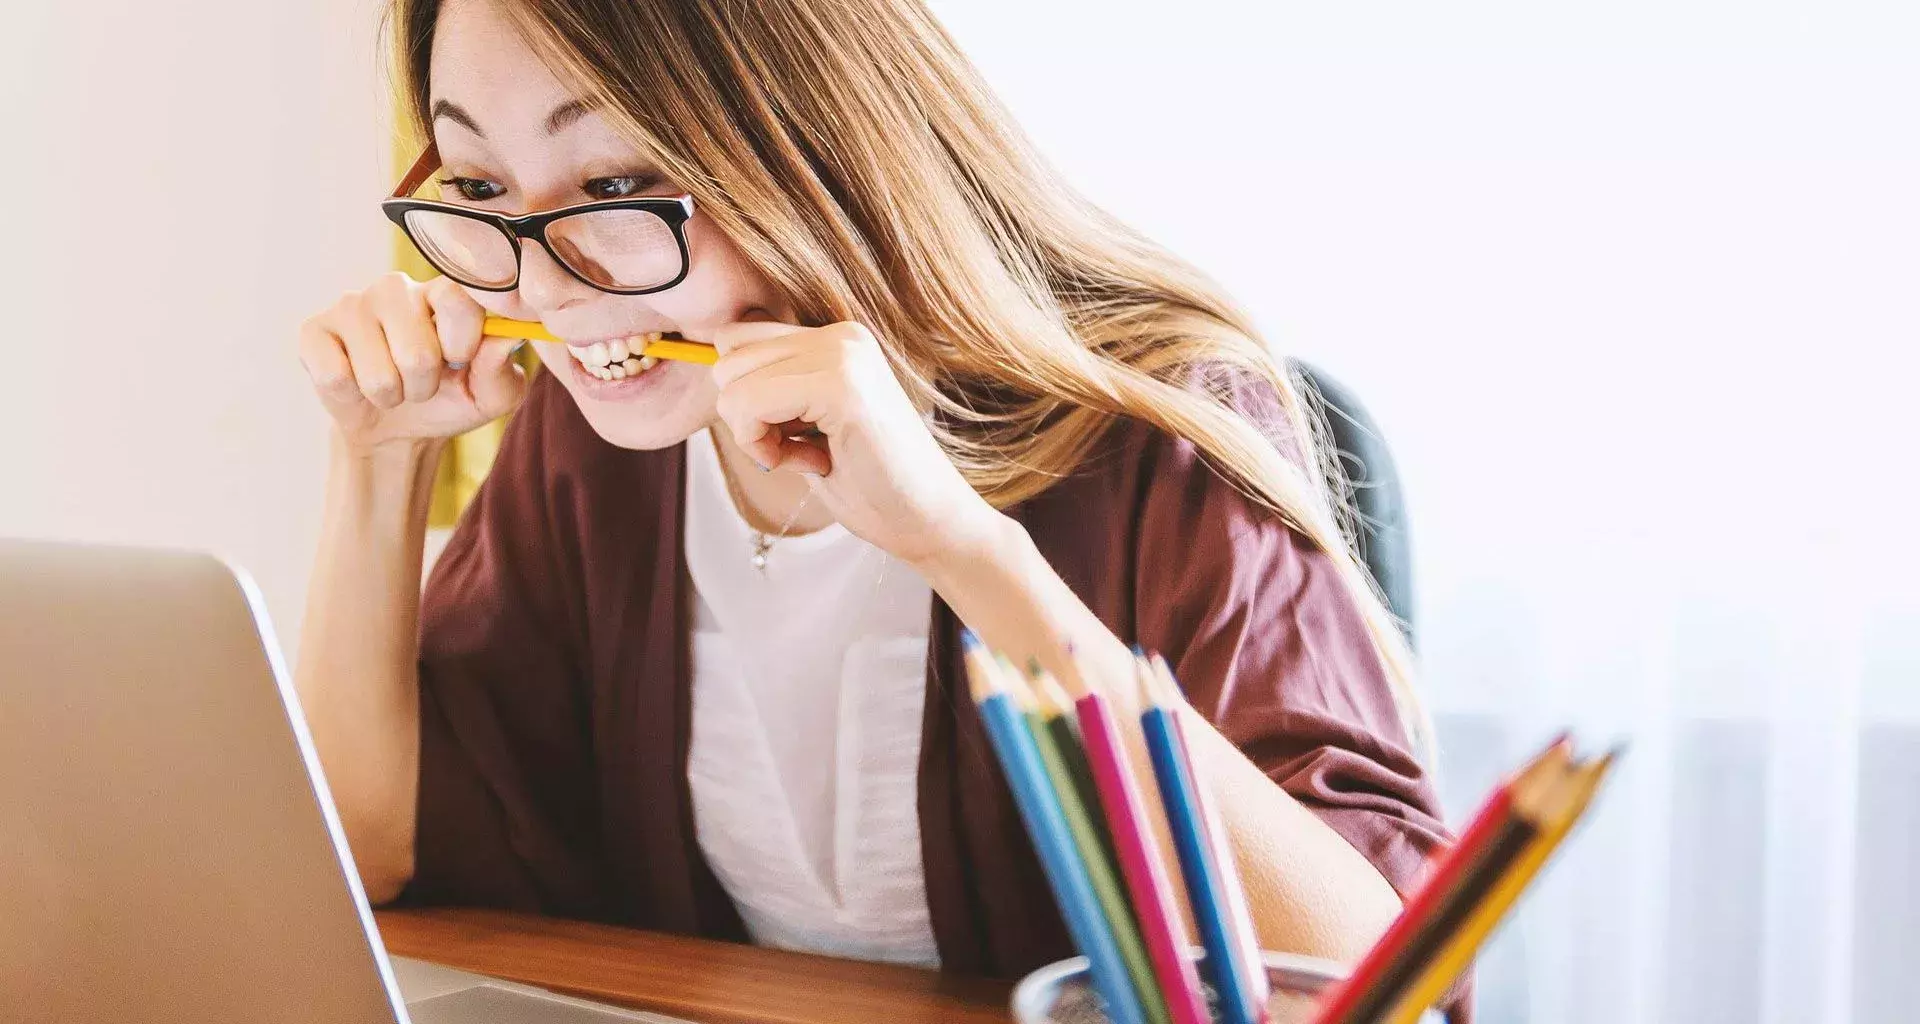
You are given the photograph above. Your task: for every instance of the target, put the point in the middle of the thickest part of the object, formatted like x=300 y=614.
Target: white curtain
x=1634 y=290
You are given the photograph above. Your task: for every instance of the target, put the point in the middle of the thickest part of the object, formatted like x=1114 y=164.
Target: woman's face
x=513 y=138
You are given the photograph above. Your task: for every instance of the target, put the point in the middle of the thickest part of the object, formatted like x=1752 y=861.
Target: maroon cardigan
x=554 y=687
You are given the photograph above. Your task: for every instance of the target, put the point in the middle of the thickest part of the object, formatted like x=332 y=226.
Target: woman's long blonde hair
x=858 y=160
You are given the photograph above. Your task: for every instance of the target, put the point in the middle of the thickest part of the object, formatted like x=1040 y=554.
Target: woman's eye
x=473 y=190
x=618 y=187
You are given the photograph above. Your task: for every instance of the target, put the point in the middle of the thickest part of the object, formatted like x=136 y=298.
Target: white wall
x=182 y=184
x=1595 y=253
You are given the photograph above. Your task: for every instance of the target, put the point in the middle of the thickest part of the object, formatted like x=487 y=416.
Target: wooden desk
x=709 y=982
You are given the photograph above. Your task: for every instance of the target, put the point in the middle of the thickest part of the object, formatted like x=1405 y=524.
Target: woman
x=676 y=668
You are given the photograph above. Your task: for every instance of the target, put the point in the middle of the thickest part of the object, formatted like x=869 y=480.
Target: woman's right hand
x=403 y=361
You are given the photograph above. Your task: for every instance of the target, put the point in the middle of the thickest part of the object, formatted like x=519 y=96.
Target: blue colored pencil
x=1242 y=999
x=1253 y=970
x=1047 y=825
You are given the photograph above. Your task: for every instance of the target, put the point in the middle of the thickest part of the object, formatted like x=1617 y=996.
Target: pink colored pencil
x=1140 y=859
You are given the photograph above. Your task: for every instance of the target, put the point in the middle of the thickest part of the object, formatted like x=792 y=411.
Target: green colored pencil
x=1051 y=699
x=1060 y=751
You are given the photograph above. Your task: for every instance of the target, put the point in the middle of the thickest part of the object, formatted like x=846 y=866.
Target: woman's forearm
x=1311 y=891
x=358 y=675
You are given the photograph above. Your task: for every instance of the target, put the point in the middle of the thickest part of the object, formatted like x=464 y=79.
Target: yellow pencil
x=1458 y=953
x=662 y=348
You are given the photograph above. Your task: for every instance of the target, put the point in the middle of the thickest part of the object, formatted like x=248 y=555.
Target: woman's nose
x=545 y=285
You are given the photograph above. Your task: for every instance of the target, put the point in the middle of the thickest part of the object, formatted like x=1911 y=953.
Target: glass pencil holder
x=1059 y=993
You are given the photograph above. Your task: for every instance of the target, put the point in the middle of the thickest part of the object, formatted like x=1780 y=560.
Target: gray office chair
x=1380 y=511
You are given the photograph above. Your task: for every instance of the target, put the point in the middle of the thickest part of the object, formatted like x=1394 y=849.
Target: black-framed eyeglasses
x=625 y=246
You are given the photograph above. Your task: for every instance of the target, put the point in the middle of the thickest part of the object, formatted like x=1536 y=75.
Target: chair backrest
x=1380 y=511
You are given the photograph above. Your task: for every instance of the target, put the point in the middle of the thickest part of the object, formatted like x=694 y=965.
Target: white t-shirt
x=808 y=685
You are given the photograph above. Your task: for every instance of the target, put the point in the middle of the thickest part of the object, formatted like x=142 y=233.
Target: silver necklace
x=763 y=543
x=760 y=541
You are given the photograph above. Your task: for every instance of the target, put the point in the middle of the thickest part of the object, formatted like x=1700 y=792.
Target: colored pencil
x=1013 y=742
x=1207 y=885
x=1141 y=863
x=659 y=348
x=1560 y=811
x=1485 y=870
x=1418 y=930
x=1066 y=762
x=1239 y=908
x=1054 y=708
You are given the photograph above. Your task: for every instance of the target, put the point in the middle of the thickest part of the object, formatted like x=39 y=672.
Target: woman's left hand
x=881 y=473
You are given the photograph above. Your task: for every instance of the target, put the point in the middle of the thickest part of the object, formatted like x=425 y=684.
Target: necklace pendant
x=761 y=545
x=759 y=561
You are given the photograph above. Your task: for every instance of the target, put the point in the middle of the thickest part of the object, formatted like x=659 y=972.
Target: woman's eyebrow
x=455 y=113
x=564 y=115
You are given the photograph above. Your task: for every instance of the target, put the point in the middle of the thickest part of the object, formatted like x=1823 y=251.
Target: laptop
x=168 y=850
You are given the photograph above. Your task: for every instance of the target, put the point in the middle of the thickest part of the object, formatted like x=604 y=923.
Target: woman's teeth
x=617 y=359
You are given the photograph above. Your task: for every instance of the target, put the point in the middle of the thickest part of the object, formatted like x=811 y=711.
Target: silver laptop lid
x=167 y=849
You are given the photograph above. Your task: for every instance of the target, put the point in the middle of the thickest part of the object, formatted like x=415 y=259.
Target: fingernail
x=456 y=366
x=763 y=469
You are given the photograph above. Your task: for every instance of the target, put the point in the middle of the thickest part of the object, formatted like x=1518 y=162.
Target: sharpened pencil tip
x=1051 y=697
x=1165 y=688
x=983 y=678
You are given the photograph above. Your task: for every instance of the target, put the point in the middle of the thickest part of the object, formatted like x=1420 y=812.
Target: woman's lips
x=627 y=387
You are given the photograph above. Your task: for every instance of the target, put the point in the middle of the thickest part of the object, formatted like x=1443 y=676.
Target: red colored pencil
x=1443 y=878
x=1141 y=864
